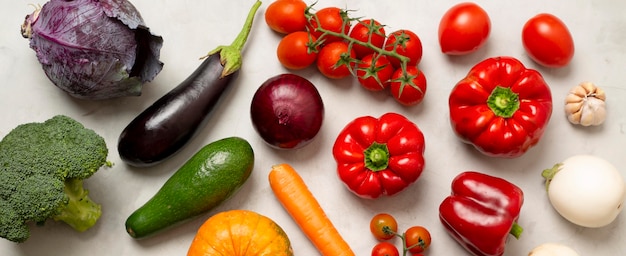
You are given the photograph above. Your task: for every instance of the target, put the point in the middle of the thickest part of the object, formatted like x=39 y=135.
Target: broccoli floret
x=42 y=168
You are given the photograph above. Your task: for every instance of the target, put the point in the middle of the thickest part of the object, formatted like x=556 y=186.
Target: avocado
x=207 y=179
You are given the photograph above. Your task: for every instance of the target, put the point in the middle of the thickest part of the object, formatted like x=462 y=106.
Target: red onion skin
x=287 y=111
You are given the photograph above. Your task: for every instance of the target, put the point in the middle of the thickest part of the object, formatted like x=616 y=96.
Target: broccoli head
x=42 y=168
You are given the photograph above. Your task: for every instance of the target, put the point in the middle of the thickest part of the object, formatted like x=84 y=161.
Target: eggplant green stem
x=230 y=55
x=549 y=174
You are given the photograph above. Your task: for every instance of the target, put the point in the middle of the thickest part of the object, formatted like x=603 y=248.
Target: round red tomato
x=463 y=29
x=548 y=41
x=417 y=239
x=385 y=249
x=409 y=89
x=383 y=226
x=286 y=16
x=362 y=32
x=334 y=59
x=331 y=19
x=405 y=43
x=374 y=71
x=297 y=50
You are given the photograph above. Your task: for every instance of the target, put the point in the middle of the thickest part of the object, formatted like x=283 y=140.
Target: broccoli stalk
x=42 y=169
x=80 y=212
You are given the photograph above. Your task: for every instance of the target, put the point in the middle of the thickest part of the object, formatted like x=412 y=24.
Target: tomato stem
x=503 y=101
x=351 y=41
x=402 y=237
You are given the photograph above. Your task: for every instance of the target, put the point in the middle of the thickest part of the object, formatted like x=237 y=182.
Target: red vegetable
x=501 y=107
x=463 y=29
x=329 y=18
x=481 y=211
x=379 y=156
x=406 y=43
x=367 y=31
x=547 y=41
x=287 y=111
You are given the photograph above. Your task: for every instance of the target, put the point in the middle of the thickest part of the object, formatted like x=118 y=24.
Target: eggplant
x=164 y=128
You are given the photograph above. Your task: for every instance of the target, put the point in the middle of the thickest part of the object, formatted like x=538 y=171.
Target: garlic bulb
x=585 y=105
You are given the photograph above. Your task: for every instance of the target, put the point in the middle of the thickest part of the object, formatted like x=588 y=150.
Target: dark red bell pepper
x=481 y=212
x=379 y=156
x=501 y=107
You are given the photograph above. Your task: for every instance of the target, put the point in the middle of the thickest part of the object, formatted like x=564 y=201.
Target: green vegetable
x=42 y=168
x=207 y=179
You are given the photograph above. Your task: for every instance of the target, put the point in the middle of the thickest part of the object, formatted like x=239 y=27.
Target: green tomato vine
x=345 y=59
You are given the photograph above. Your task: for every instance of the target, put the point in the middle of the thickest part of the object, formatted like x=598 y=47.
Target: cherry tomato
x=385 y=249
x=406 y=43
x=417 y=239
x=331 y=19
x=463 y=29
x=383 y=226
x=333 y=60
x=286 y=16
x=297 y=50
x=548 y=41
x=409 y=89
x=367 y=31
x=374 y=71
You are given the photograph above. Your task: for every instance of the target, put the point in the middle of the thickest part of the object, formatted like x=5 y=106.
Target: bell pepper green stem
x=516 y=230
x=503 y=101
x=376 y=157
x=230 y=55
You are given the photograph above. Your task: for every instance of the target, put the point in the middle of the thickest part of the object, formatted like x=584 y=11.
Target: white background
x=191 y=28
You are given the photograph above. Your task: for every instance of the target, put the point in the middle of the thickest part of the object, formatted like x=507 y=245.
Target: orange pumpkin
x=239 y=233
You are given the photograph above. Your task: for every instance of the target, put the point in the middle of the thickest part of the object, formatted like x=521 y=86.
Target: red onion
x=287 y=111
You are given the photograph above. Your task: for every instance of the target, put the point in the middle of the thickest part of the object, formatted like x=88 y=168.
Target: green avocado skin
x=208 y=178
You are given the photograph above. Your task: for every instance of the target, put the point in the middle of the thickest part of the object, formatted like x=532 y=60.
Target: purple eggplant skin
x=165 y=127
x=169 y=123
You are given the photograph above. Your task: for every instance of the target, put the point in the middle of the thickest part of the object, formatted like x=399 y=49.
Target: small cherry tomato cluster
x=341 y=46
x=384 y=228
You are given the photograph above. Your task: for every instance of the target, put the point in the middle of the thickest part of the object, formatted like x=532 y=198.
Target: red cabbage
x=94 y=49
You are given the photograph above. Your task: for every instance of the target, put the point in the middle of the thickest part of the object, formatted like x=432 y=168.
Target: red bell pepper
x=379 y=156
x=501 y=107
x=481 y=212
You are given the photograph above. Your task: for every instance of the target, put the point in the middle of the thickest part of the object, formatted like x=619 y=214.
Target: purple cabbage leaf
x=94 y=49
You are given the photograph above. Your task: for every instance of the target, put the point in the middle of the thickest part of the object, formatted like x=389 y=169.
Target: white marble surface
x=190 y=28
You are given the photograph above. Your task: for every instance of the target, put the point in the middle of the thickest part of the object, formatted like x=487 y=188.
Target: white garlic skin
x=585 y=105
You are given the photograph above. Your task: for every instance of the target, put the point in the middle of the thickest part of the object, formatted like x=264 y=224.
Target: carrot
x=306 y=211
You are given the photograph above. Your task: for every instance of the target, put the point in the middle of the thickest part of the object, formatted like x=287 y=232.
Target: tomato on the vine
x=408 y=88
x=383 y=226
x=405 y=43
x=297 y=50
x=286 y=16
x=463 y=29
x=367 y=31
x=417 y=239
x=374 y=71
x=334 y=60
x=385 y=249
x=329 y=18
x=548 y=41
